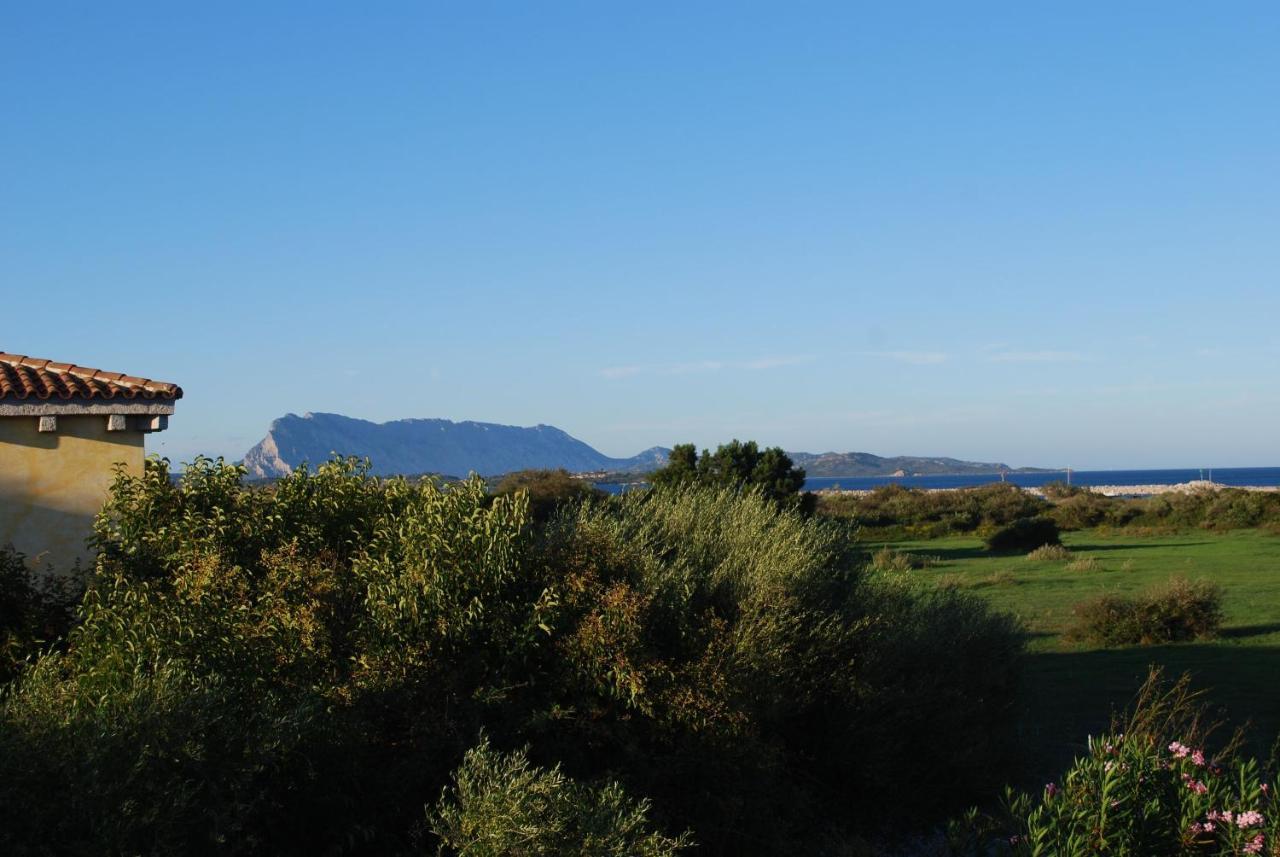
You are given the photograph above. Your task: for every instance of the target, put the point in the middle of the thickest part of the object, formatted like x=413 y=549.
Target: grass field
x=1071 y=690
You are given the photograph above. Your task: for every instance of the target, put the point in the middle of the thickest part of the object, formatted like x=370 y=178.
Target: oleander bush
x=1024 y=534
x=302 y=668
x=1173 y=612
x=1152 y=786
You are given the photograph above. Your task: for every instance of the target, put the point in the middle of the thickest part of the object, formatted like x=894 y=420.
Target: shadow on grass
x=954 y=553
x=979 y=552
x=1241 y=631
x=1134 y=546
x=1073 y=694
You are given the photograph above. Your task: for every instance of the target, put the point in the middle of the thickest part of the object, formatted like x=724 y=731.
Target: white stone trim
x=82 y=407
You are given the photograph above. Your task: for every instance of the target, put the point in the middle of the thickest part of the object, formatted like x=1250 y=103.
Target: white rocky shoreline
x=1194 y=487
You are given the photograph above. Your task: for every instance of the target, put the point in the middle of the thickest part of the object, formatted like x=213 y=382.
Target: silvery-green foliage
x=500 y=805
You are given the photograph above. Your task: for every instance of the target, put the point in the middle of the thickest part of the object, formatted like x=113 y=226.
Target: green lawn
x=1072 y=690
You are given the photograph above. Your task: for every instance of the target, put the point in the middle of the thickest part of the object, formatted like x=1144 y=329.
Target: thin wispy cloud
x=1037 y=357
x=620 y=371
x=914 y=358
x=700 y=366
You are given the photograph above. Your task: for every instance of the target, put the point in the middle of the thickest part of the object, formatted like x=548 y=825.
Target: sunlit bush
x=500 y=805
x=1176 y=611
x=299 y=669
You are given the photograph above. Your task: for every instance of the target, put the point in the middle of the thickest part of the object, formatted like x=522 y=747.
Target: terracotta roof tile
x=23 y=377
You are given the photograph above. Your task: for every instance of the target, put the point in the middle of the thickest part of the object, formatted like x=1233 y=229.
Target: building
x=63 y=431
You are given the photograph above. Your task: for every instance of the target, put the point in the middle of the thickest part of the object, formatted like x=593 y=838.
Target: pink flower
x=1227 y=817
x=1248 y=819
x=1051 y=789
x=1197 y=786
x=1198 y=758
x=1179 y=750
x=1254 y=846
x=1205 y=827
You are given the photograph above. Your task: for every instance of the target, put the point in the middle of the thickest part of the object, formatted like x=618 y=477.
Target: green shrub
x=741 y=466
x=1084 y=563
x=298 y=669
x=548 y=490
x=1150 y=787
x=888 y=559
x=1049 y=553
x=1084 y=509
x=36 y=609
x=1177 y=611
x=501 y=805
x=923 y=513
x=1024 y=534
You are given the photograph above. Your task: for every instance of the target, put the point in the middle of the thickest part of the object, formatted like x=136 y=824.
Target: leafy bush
x=1024 y=534
x=1083 y=509
x=1179 y=610
x=1150 y=787
x=299 y=668
x=1049 y=553
x=501 y=805
x=738 y=465
x=36 y=610
x=893 y=508
x=548 y=490
x=1211 y=509
x=888 y=559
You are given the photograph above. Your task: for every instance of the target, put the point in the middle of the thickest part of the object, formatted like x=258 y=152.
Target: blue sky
x=1048 y=235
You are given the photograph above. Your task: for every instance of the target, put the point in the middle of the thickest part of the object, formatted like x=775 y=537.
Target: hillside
x=416 y=446
x=866 y=464
x=431 y=446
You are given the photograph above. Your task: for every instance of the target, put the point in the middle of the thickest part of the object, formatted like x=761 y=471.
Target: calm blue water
x=1222 y=476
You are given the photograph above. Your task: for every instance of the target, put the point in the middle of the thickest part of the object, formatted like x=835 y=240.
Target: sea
x=1254 y=476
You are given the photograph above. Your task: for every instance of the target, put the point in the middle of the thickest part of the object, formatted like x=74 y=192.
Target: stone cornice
x=84 y=407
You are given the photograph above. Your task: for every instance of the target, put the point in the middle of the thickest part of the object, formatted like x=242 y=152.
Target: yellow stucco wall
x=52 y=484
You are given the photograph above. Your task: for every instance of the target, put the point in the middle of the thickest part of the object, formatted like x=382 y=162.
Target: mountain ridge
x=427 y=445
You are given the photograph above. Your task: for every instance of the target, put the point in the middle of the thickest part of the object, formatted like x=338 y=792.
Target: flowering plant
x=1138 y=793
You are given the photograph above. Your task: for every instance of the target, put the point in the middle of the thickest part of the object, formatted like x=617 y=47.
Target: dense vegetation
x=1172 y=612
x=1154 y=785
x=1025 y=534
x=896 y=512
x=547 y=490
x=738 y=465
x=36 y=610
x=337 y=664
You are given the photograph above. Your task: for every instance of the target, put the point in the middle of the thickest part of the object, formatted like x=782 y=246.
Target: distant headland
x=413 y=446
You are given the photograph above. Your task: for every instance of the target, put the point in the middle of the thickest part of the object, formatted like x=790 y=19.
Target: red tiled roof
x=31 y=378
